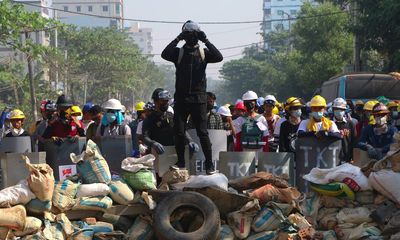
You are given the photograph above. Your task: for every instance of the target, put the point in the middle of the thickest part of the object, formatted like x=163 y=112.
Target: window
x=118 y=8
x=78 y=8
x=267 y=11
x=105 y=8
x=279 y=12
x=90 y=8
x=65 y=8
x=279 y=26
x=293 y=12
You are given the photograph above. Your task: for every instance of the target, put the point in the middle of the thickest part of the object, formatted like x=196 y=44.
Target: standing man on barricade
x=191 y=83
x=251 y=131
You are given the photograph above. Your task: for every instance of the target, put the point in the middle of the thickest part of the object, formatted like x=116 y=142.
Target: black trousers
x=198 y=112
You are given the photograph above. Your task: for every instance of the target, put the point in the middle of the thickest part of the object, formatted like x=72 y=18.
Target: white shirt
x=304 y=124
x=238 y=122
x=114 y=131
x=139 y=129
x=277 y=130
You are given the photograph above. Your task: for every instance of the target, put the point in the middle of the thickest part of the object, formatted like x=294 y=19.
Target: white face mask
x=79 y=118
x=381 y=120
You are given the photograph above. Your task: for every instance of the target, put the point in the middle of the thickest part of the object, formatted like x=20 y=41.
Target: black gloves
x=202 y=36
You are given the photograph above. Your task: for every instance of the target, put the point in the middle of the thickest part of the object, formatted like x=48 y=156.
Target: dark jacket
x=191 y=82
x=159 y=127
x=288 y=132
x=348 y=142
x=370 y=139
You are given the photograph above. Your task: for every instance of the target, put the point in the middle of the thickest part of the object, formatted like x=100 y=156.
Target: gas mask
x=164 y=107
x=250 y=106
x=191 y=38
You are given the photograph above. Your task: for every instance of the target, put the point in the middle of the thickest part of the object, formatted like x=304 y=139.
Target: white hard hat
x=270 y=99
x=238 y=101
x=339 y=103
x=224 y=111
x=249 y=95
x=113 y=104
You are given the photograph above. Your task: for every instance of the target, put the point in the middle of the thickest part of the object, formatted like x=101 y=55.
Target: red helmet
x=240 y=106
x=43 y=105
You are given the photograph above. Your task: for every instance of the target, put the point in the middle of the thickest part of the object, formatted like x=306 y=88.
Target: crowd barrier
x=115 y=149
x=312 y=152
x=16 y=145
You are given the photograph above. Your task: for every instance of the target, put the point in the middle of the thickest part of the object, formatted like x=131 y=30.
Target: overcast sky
x=204 y=10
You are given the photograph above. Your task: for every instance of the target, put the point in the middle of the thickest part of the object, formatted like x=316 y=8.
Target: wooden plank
x=120 y=210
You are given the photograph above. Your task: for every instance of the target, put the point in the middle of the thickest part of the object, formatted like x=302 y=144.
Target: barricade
x=115 y=149
x=360 y=157
x=312 y=152
x=167 y=159
x=16 y=145
x=219 y=144
x=277 y=164
x=58 y=155
x=13 y=168
x=237 y=164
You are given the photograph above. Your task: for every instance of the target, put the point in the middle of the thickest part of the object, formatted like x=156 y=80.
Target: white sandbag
x=339 y=174
x=13 y=218
x=218 y=180
x=32 y=225
x=226 y=233
x=267 y=219
x=40 y=180
x=18 y=194
x=92 y=190
x=354 y=215
x=92 y=165
x=240 y=221
x=132 y=164
x=299 y=220
x=94 y=203
x=64 y=195
x=120 y=192
x=386 y=182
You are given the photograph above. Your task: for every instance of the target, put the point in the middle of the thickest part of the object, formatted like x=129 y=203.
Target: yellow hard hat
x=275 y=110
x=16 y=114
x=392 y=104
x=318 y=101
x=74 y=110
x=292 y=102
x=368 y=106
x=140 y=106
x=359 y=102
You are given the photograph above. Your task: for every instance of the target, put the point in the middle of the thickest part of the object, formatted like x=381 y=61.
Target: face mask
x=395 y=114
x=191 y=38
x=250 y=106
x=210 y=107
x=339 y=114
x=164 y=108
x=317 y=115
x=79 y=118
x=296 y=113
x=381 y=120
x=111 y=117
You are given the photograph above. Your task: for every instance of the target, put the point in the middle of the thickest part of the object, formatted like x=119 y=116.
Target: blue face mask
x=339 y=114
x=296 y=113
x=111 y=117
x=317 y=115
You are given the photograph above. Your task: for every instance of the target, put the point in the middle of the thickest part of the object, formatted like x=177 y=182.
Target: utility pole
x=56 y=46
x=357 y=49
x=65 y=79
x=31 y=82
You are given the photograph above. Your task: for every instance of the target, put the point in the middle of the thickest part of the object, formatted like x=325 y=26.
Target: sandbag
x=92 y=165
x=83 y=234
x=354 y=215
x=226 y=233
x=40 y=180
x=257 y=180
x=93 y=203
x=18 y=194
x=142 y=180
x=32 y=225
x=327 y=219
x=120 y=192
x=386 y=183
x=299 y=220
x=335 y=189
x=141 y=228
x=310 y=207
x=92 y=190
x=344 y=173
x=267 y=235
x=270 y=193
x=64 y=195
x=325 y=235
x=393 y=226
x=267 y=219
x=101 y=227
x=175 y=176
x=334 y=202
x=218 y=180
x=13 y=218
x=132 y=164
x=36 y=206
x=119 y=222
x=361 y=231
x=240 y=221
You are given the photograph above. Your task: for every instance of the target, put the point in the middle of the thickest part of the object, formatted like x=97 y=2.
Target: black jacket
x=191 y=82
x=159 y=127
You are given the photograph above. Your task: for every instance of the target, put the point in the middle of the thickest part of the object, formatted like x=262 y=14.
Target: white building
x=142 y=37
x=73 y=12
x=278 y=12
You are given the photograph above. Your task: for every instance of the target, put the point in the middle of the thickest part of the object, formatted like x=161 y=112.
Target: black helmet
x=161 y=94
x=62 y=101
x=190 y=26
x=50 y=106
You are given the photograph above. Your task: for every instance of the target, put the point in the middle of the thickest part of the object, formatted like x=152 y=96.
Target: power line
x=181 y=22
